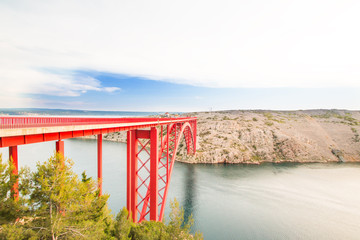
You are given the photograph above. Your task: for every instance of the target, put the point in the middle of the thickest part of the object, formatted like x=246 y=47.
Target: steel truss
x=149 y=166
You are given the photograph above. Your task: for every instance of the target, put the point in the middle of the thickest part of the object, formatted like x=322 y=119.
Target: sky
x=163 y=55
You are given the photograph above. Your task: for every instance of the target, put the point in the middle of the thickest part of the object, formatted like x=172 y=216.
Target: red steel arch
x=176 y=132
x=150 y=172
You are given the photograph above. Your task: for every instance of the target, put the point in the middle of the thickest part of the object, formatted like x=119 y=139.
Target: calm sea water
x=270 y=201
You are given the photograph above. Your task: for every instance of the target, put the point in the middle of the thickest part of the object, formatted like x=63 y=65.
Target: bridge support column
x=154 y=175
x=60 y=147
x=99 y=162
x=60 y=150
x=128 y=171
x=132 y=149
x=13 y=155
x=142 y=174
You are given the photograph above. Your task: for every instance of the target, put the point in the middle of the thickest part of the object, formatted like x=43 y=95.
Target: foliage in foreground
x=55 y=204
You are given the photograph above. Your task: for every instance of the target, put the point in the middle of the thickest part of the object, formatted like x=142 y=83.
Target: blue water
x=270 y=201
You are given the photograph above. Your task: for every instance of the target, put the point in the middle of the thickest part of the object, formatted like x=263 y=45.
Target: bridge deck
x=24 y=130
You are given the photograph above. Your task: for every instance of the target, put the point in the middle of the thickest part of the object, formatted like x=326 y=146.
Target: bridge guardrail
x=31 y=122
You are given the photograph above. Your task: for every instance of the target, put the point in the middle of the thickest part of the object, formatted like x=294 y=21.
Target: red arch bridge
x=148 y=177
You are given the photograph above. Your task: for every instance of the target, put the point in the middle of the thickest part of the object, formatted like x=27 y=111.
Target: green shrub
x=202 y=134
x=268 y=115
x=256 y=157
x=225 y=151
x=356 y=137
x=268 y=123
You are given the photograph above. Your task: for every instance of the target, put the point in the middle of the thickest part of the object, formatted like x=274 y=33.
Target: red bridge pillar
x=13 y=155
x=99 y=162
x=60 y=147
x=142 y=174
x=131 y=201
x=154 y=162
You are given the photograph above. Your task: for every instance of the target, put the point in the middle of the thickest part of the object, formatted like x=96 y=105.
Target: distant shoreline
x=71 y=112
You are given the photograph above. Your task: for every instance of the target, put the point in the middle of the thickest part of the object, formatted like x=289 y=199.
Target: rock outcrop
x=271 y=136
x=253 y=137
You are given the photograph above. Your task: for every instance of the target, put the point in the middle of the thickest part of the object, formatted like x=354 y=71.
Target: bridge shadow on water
x=190 y=185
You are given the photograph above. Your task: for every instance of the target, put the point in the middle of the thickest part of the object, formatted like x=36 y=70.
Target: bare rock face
x=268 y=136
x=253 y=137
x=114 y=137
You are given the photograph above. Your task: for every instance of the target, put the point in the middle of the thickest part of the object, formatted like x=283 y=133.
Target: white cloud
x=232 y=43
x=21 y=74
x=111 y=89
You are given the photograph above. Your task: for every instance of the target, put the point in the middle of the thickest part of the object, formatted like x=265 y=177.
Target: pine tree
x=11 y=209
x=13 y=212
x=176 y=229
x=64 y=206
x=55 y=204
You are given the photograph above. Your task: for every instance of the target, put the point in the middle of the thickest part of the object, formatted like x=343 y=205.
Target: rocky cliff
x=273 y=136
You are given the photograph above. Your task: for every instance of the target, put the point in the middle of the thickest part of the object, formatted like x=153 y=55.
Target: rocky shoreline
x=253 y=137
